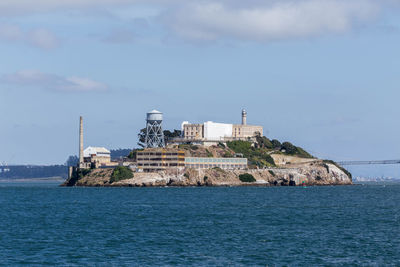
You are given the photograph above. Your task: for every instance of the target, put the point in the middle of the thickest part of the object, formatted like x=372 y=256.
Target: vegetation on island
x=259 y=152
x=188 y=147
x=247 y=178
x=121 y=173
x=257 y=157
x=285 y=147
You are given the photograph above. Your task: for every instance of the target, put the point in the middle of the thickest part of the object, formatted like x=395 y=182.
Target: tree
x=263 y=142
x=72 y=161
x=276 y=144
x=289 y=147
x=142 y=138
x=168 y=135
x=121 y=173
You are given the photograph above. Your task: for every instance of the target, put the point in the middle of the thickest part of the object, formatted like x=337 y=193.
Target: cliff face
x=309 y=173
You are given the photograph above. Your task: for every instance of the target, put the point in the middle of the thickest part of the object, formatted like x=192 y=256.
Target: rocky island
x=270 y=163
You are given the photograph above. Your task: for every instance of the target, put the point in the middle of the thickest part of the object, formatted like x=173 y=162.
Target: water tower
x=154 y=132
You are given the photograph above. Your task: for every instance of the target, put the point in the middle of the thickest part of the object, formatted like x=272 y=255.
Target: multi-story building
x=212 y=131
x=152 y=160
x=193 y=131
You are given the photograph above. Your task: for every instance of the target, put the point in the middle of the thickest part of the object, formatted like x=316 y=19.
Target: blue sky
x=323 y=74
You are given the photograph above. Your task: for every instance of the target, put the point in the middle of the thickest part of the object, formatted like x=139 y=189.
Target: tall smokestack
x=81 y=140
x=244 y=117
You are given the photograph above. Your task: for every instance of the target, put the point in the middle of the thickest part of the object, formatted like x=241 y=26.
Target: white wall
x=217 y=131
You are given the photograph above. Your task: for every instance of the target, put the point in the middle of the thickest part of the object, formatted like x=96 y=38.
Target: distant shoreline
x=46 y=179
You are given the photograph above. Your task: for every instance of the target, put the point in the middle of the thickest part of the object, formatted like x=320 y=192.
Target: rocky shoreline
x=313 y=173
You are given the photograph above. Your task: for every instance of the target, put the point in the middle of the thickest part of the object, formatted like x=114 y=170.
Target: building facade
x=209 y=163
x=212 y=131
x=241 y=132
x=97 y=156
x=153 y=160
x=193 y=131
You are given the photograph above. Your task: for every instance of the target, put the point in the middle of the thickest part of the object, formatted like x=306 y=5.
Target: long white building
x=213 y=131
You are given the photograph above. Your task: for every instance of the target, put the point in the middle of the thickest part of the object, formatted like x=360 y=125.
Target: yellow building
x=158 y=159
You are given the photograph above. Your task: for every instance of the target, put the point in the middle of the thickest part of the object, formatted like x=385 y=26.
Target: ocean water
x=42 y=224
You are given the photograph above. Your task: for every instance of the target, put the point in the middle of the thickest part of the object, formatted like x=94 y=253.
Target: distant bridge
x=369 y=162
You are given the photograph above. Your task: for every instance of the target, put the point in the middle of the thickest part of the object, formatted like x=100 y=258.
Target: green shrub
x=188 y=146
x=289 y=148
x=256 y=156
x=209 y=154
x=272 y=172
x=240 y=146
x=247 y=178
x=276 y=144
x=228 y=154
x=263 y=142
x=269 y=159
x=302 y=153
x=121 y=173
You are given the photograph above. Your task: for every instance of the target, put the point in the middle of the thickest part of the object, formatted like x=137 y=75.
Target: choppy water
x=346 y=225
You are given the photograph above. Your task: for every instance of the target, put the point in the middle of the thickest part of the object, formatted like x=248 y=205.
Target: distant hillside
x=29 y=171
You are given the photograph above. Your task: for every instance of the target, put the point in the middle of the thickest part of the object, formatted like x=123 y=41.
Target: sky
x=322 y=74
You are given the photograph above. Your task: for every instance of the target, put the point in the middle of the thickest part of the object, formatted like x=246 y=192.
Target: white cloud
x=48 y=81
x=254 y=20
x=40 y=38
x=276 y=21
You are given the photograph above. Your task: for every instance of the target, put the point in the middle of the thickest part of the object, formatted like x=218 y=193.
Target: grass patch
x=258 y=157
x=188 y=146
x=247 y=178
x=228 y=155
x=121 y=173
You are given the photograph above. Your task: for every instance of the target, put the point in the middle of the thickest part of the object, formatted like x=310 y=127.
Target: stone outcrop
x=314 y=172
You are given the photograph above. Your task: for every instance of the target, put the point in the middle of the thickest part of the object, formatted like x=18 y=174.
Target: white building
x=97 y=155
x=217 y=131
x=214 y=132
x=96 y=151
